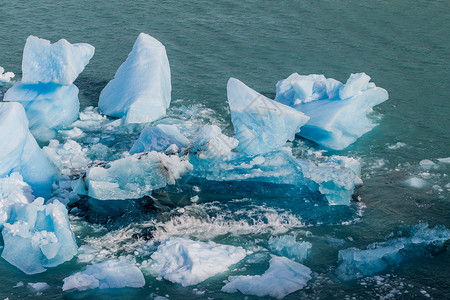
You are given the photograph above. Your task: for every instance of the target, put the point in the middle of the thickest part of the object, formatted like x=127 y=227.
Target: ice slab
x=5 y=77
x=132 y=177
x=283 y=277
x=211 y=143
x=158 y=139
x=49 y=107
x=59 y=63
x=287 y=246
x=38 y=236
x=261 y=125
x=338 y=111
x=141 y=89
x=109 y=274
x=191 y=262
x=19 y=151
x=13 y=190
x=422 y=241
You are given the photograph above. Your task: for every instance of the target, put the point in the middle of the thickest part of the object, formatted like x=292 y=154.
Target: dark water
x=405 y=48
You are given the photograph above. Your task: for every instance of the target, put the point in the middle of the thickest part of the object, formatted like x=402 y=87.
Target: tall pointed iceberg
x=141 y=89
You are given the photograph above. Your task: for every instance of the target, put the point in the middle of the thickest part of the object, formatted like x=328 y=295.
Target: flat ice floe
x=283 y=277
x=109 y=274
x=190 y=262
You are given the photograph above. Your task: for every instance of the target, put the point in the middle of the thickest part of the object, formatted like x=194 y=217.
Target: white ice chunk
x=12 y=190
x=141 y=89
x=38 y=236
x=132 y=177
x=38 y=286
x=109 y=274
x=338 y=113
x=283 y=277
x=60 y=63
x=416 y=182
x=287 y=246
x=445 y=160
x=5 y=77
x=428 y=164
x=158 y=139
x=190 y=262
x=211 y=143
x=49 y=107
x=70 y=158
x=261 y=124
x=19 y=151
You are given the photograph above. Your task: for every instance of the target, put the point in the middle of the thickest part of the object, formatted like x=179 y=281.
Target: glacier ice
x=283 y=277
x=132 y=177
x=109 y=274
x=141 y=89
x=49 y=107
x=59 y=63
x=190 y=262
x=355 y=263
x=338 y=112
x=261 y=125
x=38 y=236
x=287 y=246
x=70 y=158
x=19 y=151
x=211 y=143
x=5 y=77
x=158 y=139
x=13 y=190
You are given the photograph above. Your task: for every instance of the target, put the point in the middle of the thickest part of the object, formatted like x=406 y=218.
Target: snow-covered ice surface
x=338 y=112
x=141 y=89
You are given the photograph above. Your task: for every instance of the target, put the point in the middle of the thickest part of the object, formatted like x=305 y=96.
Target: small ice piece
x=49 y=107
x=5 y=77
x=140 y=91
x=60 y=63
x=19 y=151
x=38 y=286
x=110 y=274
x=283 y=277
x=13 y=190
x=423 y=241
x=261 y=124
x=444 y=160
x=38 y=236
x=338 y=112
x=287 y=246
x=70 y=158
x=416 y=182
x=132 y=177
x=428 y=164
x=191 y=262
x=211 y=143
x=158 y=139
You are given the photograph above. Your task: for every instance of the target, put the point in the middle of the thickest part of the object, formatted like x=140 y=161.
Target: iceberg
x=5 y=77
x=49 y=107
x=19 y=151
x=13 y=190
x=59 y=63
x=283 y=277
x=141 y=89
x=287 y=246
x=132 y=177
x=191 y=262
x=158 y=139
x=38 y=236
x=261 y=125
x=109 y=274
x=338 y=112
x=355 y=263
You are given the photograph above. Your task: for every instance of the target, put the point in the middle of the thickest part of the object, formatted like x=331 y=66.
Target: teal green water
x=404 y=46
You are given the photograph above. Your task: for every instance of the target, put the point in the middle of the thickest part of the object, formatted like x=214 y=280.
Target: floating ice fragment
x=423 y=241
x=261 y=124
x=444 y=160
x=283 y=277
x=211 y=143
x=140 y=91
x=158 y=139
x=189 y=262
x=13 y=190
x=132 y=177
x=416 y=182
x=428 y=164
x=106 y=275
x=38 y=286
x=287 y=246
x=5 y=77
x=338 y=113
x=59 y=63
x=19 y=151
x=70 y=158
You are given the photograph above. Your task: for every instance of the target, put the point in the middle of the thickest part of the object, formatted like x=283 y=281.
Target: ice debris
x=422 y=241
x=13 y=190
x=283 y=277
x=158 y=139
x=106 y=275
x=141 y=89
x=5 y=77
x=132 y=177
x=416 y=182
x=190 y=262
x=211 y=143
x=70 y=158
x=38 y=236
x=287 y=246
x=338 y=112
x=38 y=286
x=59 y=63
x=19 y=151
x=261 y=125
